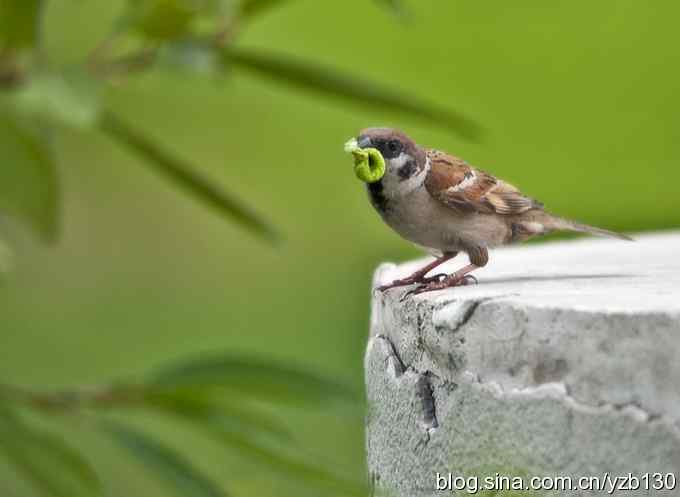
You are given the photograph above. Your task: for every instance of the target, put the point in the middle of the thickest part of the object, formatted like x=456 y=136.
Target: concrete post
x=563 y=361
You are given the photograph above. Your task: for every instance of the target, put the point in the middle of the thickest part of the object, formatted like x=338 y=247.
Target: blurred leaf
x=396 y=7
x=28 y=177
x=70 y=98
x=161 y=19
x=46 y=460
x=311 y=76
x=287 y=462
x=19 y=23
x=251 y=8
x=210 y=406
x=184 y=175
x=260 y=379
x=172 y=467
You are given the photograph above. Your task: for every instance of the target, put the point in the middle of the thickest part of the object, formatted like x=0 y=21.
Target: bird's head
x=385 y=154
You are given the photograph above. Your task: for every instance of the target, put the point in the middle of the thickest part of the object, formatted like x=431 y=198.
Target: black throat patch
x=377 y=194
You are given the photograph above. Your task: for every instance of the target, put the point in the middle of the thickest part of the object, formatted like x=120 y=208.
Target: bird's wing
x=455 y=183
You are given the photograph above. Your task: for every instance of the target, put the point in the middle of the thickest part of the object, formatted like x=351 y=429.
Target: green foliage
x=73 y=98
x=327 y=81
x=45 y=459
x=578 y=117
x=210 y=406
x=247 y=431
x=19 y=23
x=233 y=400
x=255 y=378
x=28 y=176
x=395 y=6
x=222 y=396
x=251 y=8
x=70 y=98
x=173 y=468
x=164 y=19
x=286 y=461
x=573 y=110
x=185 y=175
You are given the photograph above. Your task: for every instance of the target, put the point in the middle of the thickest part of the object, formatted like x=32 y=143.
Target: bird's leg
x=419 y=276
x=459 y=278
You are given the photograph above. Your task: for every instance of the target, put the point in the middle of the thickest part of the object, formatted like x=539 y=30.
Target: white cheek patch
x=396 y=186
x=467 y=182
x=400 y=161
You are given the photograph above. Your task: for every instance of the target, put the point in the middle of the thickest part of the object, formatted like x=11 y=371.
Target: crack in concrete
x=560 y=391
x=428 y=422
x=397 y=364
x=425 y=391
x=467 y=315
x=471 y=309
x=633 y=408
x=424 y=388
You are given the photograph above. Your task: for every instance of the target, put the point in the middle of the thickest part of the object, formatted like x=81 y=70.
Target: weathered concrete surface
x=564 y=360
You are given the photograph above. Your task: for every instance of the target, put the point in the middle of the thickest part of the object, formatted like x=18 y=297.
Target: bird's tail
x=561 y=224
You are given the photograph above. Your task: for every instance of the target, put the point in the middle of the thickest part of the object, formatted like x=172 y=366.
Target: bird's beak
x=357 y=143
x=369 y=164
x=364 y=142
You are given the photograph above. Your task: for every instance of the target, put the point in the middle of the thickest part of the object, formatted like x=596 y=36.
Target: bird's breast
x=415 y=216
x=422 y=220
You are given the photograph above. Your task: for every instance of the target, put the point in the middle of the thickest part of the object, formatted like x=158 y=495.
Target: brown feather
x=455 y=183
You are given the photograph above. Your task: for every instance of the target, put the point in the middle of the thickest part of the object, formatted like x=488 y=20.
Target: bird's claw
x=406 y=295
x=402 y=282
x=440 y=284
x=411 y=280
x=437 y=277
x=394 y=284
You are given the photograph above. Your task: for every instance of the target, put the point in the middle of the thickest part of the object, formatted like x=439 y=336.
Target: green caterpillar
x=369 y=164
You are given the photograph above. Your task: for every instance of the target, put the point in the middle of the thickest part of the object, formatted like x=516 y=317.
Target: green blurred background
x=581 y=105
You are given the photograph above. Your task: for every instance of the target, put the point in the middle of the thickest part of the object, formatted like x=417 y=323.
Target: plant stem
x=106 y=396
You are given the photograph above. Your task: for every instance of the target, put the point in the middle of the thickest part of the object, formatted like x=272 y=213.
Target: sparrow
x=446 y=206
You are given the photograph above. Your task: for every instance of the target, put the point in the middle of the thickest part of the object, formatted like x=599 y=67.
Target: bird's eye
x=393 y=146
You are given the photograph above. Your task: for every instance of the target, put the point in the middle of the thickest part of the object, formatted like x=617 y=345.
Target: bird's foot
x=414 y=278
x=434 y=278
x=440 y=284
x=420 y=275
x=421 y=279
x=395 y=284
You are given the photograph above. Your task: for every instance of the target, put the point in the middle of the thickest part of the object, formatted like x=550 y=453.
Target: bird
x=445 y=206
